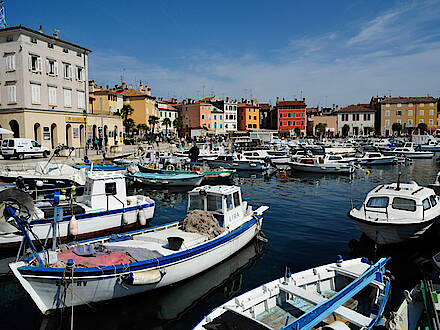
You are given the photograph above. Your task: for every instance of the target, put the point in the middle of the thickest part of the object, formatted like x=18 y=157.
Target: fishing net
x=202 y=222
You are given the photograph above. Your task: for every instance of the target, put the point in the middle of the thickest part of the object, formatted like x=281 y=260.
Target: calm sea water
x=306 y=225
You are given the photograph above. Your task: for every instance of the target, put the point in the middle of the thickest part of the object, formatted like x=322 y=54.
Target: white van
x=19 y=148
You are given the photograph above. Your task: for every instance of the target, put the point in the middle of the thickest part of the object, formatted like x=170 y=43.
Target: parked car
x=19 y=147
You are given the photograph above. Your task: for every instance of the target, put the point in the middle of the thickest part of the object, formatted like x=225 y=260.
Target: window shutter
x=13 y=61
x=70 y=72
x=56 y=68
x=7 y=62
x=14 y=95
x=30 y=62
x=39 y=64
x=37 y=93
x=47 y=66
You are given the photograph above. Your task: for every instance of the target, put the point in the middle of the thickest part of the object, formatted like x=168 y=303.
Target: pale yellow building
x=409 y=112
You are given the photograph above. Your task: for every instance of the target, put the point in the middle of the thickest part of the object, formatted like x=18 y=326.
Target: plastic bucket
x=174 y=243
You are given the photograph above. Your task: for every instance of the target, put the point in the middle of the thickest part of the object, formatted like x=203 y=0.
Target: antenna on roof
x=2 y=15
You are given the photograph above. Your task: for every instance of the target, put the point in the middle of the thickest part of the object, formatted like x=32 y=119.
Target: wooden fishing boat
x=218 y=224
x=167 y=179
x=209 y=176
x=344 y=295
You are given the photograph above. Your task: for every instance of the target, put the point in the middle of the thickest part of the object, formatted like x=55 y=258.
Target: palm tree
x=297 y=131
x=153 y=120
x=126 y=111
x=129 y=124
x=178 y=124
x=422 y=128
x=167 y=123
x=142 y=128
x=397 y=127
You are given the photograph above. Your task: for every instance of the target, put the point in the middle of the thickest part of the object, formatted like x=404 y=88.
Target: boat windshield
x=215 y=203
x=378 y=202
x=196 y=202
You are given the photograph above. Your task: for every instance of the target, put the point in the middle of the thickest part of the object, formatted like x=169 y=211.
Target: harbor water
x=307 y=225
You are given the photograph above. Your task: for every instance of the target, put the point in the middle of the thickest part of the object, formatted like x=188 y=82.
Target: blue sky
x=339 y=52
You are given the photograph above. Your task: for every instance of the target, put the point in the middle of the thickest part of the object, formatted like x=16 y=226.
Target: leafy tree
x=142 y=128
x=422 y=128
x=167 y=123
x=178 y=124
x=297 y=131
x=397 y=128
x=125 y=112
x=320 y=128
x=129 y=124
x=345 y=130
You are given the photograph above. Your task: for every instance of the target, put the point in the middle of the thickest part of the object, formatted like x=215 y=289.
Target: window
x=12 y=93
x=215 y=117
x=221 y=117
x=294 y=123
x=422 y=104
x=221 y=125
x=34 y=40
x=236 y=199
x=110 y=188
x=81 y=100
x=215 y=125
x=49 y=45
x=65 y=50
x=250 y=117
x=214 y=203
x=421 y=121
x=289 y=123
x=431 y=112
x=433 y=200
x=378 y=202
x=399 y=121
x=410 y=122
x=410 y=112
x=422 y=112
x=302 y=123
x=289 y=115
x=10 y=62
x=255 y=117
x=52 y=95
x=387 y=113
x=410 y=104
x=203 y=116
x=254 y=125
x=387 y=122
x=426 y=205
x=52 y=67
x=67 y=97
x=35 y=63
x=398 y=112
x=229 y=205
x=281 y=115
x=404 y=204
x=366 y=116
x=79 y=73
x=387 y=105
x=431 y=122
x=249 y=125
x=67 y=71
x=399 y=105
x=35 y=93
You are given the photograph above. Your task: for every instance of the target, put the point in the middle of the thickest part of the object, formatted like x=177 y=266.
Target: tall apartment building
x=43 y=87
x=248 y=116
x=202 y=115
x=409 y=112
x=291 y=115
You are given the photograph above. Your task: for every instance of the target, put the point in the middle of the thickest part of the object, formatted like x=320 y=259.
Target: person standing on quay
x=194 y=154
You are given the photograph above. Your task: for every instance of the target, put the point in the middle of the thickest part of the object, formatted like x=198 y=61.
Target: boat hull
x=49 y=294
x=239 y=166
x=89 y=224
x=391 y=233
x=170 y=182
x=330 y=169
x=378 y=161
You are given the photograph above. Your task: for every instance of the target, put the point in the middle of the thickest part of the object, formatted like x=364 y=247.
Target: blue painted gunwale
x=93 y=215
x=144 y=264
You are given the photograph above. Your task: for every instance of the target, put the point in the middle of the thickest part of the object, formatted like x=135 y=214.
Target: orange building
x=248 y=116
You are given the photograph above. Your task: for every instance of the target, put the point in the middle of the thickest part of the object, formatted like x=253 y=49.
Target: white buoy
x=73 y=226
x=141 y=217
x=124 y=219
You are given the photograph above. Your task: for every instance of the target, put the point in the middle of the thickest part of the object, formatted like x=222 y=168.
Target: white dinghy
x=327 y=297
x=321 y=165
x=393 y=213
x=218 y=225
x=103 y=208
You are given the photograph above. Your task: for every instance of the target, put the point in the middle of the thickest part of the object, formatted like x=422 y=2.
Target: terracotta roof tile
x=414 y=99
x=356 y=108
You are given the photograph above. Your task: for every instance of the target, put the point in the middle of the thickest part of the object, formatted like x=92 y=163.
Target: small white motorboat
x=375 y=158
x=218 y=224
x=409 y=151
x=103 y=208
x=239 y=162
x=276 y=157
x=393 y=213
x=319 y=165
x=344 y=295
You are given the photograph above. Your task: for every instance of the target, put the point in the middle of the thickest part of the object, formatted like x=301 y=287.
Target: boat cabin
x=401 y=201
x=223 y=202
x=104 y=190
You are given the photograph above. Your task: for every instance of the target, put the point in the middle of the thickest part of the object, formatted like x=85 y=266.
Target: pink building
x=202 y=115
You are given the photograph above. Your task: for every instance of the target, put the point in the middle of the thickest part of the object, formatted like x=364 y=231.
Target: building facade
x=248 y=116
x=201 y=115
x=409 y=112
x=43 y=88
x=358 y=118
x=291 y=115
x=217 y=121
x=265 y=116
x=229 y=107
x=330 y=122
x=166 y=110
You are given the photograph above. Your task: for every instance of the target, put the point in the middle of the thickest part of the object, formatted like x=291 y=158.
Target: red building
x=291 y=114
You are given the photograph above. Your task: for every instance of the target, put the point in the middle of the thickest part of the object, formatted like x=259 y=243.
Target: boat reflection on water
x=164 y=308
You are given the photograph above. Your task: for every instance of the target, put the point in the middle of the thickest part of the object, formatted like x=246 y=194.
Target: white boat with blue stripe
x=218 y=224
x=102 y=209
x=344 y=295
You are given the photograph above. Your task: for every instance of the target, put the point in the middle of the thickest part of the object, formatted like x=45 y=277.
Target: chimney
x=40 y=29
x=123 y=85
x=304 y=99
x=56 y=33
x=278 y=99
x=141 y=87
